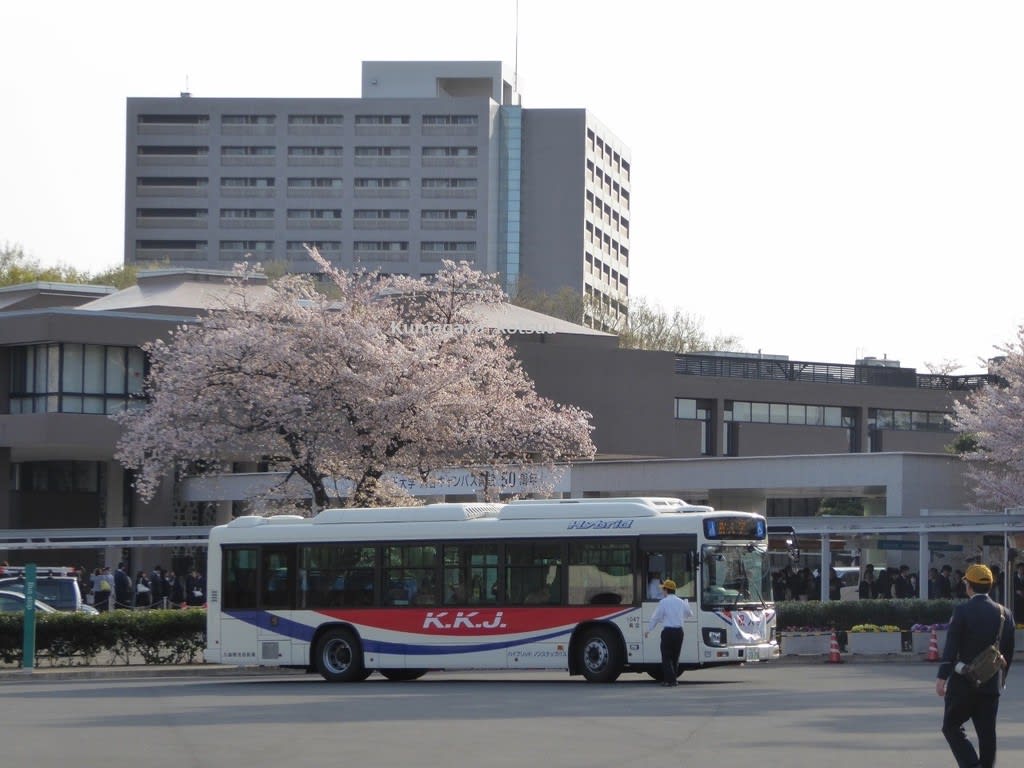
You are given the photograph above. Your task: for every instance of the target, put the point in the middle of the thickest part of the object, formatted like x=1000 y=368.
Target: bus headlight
x=715 y=638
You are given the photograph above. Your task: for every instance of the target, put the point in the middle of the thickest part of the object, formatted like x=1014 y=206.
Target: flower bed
x=805 y=642
x=872 y=639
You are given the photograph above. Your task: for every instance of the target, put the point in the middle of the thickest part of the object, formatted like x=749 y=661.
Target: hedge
x=123 y=637
x=843 y=614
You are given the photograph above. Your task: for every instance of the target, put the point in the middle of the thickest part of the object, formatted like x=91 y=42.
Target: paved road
x=857 y=715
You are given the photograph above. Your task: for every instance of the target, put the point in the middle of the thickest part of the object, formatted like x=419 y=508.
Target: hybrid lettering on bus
x=552 y=584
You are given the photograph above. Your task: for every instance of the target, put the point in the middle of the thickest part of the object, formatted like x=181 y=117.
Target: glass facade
x=76 y=378
x=510 y=184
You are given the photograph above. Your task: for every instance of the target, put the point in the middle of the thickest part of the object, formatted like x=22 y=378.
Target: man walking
x=976 y=624
x=670 y=613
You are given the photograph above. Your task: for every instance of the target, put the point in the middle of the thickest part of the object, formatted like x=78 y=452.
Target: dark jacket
x=973 y=627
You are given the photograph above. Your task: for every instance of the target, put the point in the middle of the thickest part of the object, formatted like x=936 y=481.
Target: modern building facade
x=435 y=160
x=738 y=432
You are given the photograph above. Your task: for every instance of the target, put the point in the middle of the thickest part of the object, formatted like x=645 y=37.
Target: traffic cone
x=933 y=647
x=833 y=650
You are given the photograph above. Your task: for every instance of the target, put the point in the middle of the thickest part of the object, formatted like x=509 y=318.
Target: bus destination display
x=734 y=528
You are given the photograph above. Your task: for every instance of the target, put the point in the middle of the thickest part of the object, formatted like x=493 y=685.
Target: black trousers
x=671 y=645
x=963 y=703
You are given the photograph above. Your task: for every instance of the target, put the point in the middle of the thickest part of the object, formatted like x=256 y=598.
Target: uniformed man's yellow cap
x=979 y=574
x=671 y=585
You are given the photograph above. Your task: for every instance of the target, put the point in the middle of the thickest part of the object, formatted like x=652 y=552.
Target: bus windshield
x=735 y=575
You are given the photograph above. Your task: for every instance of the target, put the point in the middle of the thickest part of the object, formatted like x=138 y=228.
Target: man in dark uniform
x=975 y=625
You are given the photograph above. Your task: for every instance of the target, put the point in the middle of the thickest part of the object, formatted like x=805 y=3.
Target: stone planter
x=873 y=643
x=805 y=643
x=923 y=639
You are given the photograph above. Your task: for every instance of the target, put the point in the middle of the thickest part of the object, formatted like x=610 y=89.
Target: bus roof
x=547 y=518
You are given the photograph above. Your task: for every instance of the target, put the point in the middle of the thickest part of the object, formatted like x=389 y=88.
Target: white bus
x=553 y=584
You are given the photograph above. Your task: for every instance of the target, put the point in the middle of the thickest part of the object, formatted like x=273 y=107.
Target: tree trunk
x=366 y=492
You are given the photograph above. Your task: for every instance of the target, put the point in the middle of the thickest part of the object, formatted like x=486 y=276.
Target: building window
x=321 y=182
x=56 y=476
x=439 y=246
x=381 y=214
x=450 y=120
x=251 y=183
x=247 y=120
x=314 y=213
x=315 y=119
x=298 y=247
x=382 y=151
x=447 y=215
x=700 y=410
x=247 y=151
x=914 y=421
x=174 y=120
x=363 y=246
x=315 y=151
x=382 y=120
x=790 y=413
x=251 y=246
x=169 y=151
x=365 y=183
x=76 y=378
x=449 y=152
x=170 y=213
x=449 y=183
x=175 y=182
x=247 y=213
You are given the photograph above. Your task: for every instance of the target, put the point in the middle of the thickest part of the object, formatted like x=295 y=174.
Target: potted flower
x=874 y=639
x=803 y=641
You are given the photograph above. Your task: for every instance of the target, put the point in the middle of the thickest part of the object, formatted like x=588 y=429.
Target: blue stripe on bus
x=380 y=646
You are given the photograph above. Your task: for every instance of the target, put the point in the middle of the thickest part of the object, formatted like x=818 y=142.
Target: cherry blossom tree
x=393 y=377
x=993 y=417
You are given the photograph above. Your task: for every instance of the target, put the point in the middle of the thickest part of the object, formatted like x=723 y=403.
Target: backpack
x=989 y=662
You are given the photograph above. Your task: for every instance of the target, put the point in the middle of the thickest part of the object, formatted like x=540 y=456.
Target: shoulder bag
x=989 y=662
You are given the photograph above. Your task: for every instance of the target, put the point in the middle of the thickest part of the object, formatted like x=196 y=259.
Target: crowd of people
x=791 y=583
x=105 y=588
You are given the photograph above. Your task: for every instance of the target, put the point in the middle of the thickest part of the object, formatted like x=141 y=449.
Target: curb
x=126 y=671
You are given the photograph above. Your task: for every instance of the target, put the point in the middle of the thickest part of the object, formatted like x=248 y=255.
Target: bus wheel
x=401 y=675
x=600 y=658
x=339 y=658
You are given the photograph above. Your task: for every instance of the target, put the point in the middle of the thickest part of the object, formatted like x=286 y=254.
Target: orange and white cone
x=933 y=647
x=833 y=650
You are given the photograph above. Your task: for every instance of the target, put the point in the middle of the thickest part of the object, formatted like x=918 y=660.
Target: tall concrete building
x=436 y=160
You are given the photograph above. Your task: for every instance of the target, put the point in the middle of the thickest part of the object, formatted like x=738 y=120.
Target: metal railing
x=86 y=538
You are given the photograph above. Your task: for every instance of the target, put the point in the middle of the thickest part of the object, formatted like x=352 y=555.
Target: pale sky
x=825 y=180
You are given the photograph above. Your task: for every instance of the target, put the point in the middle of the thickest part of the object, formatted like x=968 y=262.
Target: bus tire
x=600 y=655
x=339 y=658
x=402 y=675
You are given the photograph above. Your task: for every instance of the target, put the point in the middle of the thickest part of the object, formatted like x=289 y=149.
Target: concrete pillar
x=717 y=427
x=113 y=512
x=6 y=513
x=826 y=567
x=924 y=558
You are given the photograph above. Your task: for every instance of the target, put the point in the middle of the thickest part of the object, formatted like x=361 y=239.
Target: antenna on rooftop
x=515 y=63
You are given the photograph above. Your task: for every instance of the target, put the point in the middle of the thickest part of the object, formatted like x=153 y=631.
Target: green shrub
x=843 y=615
x=64 y=639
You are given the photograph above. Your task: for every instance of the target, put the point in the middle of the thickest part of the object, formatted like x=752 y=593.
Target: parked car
x=11 y=601
x=61 y=592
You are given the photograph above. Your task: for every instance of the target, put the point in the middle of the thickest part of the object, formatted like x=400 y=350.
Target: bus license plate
x=753 y=654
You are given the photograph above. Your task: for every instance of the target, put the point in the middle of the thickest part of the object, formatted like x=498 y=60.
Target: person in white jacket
x=671 y=612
